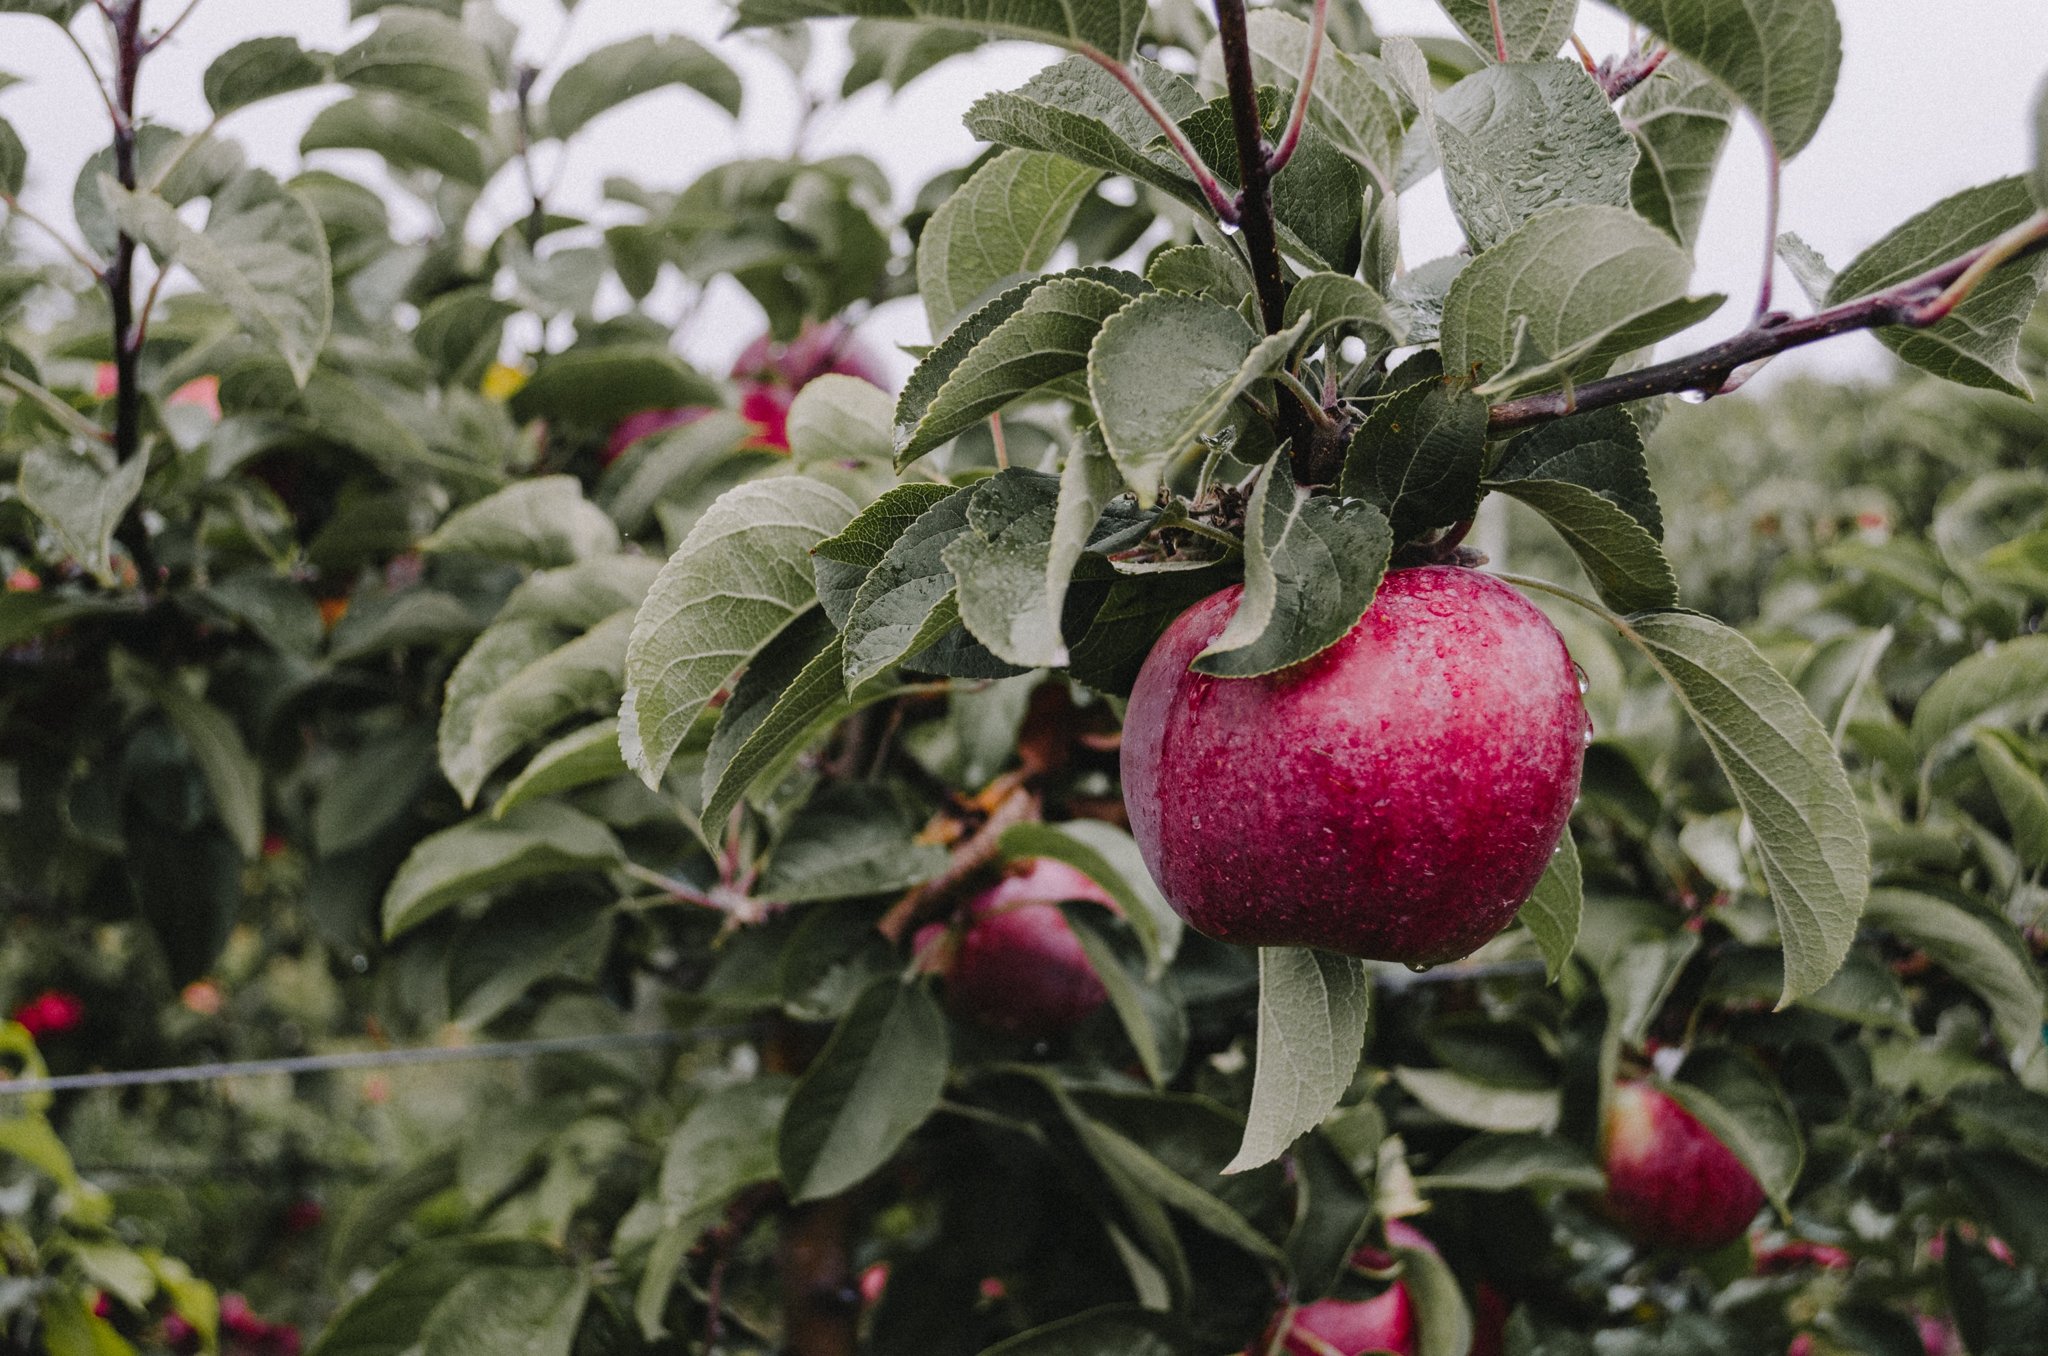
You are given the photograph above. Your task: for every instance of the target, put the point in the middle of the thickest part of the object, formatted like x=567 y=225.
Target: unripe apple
x=1018 y=967
x=1670 y=1182
x=1396 y=797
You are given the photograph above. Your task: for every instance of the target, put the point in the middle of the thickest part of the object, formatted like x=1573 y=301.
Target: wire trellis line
x=357 y=1059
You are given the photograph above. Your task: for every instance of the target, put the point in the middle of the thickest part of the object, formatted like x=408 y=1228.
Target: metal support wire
x=360 y=1059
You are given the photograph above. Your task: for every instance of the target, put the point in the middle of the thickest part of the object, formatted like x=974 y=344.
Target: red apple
x=1490 y=1312
x=1386 y=1322
x=51 y=1013
x=1395 y=797
x=1018 y=967
x=1670 y=1182
x=770 y=374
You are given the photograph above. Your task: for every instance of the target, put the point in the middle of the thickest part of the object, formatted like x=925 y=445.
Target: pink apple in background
x=770 y=374
x=1386 y=1322
x=1018 y=967
x=200 y=394
x=1670 y=1182
x=1396 y=797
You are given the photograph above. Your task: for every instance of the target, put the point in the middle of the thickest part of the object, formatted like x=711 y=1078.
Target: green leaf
x=1318 y=200
x=1338 y=306
x=13 y=161
x=1125 y=1158
x=263 y=255
x=1602 y=451
x=2022 y=796
x=1141 y=1008
x=506 y=1312
x=1564 y=296
x=1026 y=532
x=838 y=418
x=600 y=386
x=740 y=576
x=509 y=645
x=81 y=500
x=1313 y=1012
x=1114 y=1330
x=1516 y=140
x=1532 y=29
x=260 y=69
x=232 y=776
x=1029 y=336
x=1978 y=948
x=1419 y=457
x=386 y=1319
x=843 y=845
x=2003 y=685
x=1313 y=564
x=1109 y=26
x=1134 y=614
x=1979 y=343
x=1748 y=1112
x=1108 y=856
x=1481 y=1106
x=1514 y=1162
x=1780 y=59
x=1681 y=120
x=768 y=722
x=1000 y=225
x=579 y=678
x=612 y=75
x=1351 y=102
x=893 y=53
x=408 y=136
x=1164 y=370
x=906 y=602
x=543 y=522
x=1552 y=912
x=543 y=839
x=842 y=563
x=580 y=596
x=1623 y=560
x=1078 y=110
x=1787 y=778
x=580 y=758
x=877 y=1079
x=426 y=58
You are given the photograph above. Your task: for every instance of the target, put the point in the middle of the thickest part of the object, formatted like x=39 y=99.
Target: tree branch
x=1255 y=202
x=1319 y=24
x=1917 y=302
x=176 y=24
x=1220 y=200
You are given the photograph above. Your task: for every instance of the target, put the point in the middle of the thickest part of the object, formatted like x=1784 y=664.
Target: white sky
x=1933 y=98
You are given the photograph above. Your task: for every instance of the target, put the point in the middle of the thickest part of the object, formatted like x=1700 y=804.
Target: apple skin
x=1386 y=1322
x=1396 y=797
x=646 y=424
x=1670 y=1182
x=1018 y=967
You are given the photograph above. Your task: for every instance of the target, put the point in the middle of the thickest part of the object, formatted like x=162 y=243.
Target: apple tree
x=1124 y=868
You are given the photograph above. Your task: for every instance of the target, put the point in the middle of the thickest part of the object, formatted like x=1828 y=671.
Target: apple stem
x=1319 y=23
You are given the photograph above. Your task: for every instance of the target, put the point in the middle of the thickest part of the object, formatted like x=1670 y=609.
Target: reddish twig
x=1500 y=32
x=1219 y=198
x=973 y=854
x=1917 y=302
x=1319 y=24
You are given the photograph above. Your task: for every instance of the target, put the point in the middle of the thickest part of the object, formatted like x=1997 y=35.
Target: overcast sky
x=1933 y=98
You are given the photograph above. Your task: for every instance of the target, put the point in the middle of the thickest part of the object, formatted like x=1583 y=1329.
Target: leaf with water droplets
x=1779 y=57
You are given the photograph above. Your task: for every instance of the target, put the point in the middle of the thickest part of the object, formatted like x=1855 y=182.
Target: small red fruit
x=1386 y=1322
x=1018 y=967
x=1396 y=797
x=51 y=1013
x=1670 y=1182
x=24 y=580
x=873 y=1284
x=1801 y=1253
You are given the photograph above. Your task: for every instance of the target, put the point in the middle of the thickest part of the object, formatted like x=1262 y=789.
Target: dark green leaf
x=260 y=69
x=849 y=841
x=1116 y=1330
x=406 y=135
x=544 y=839
x=600 y=386
x=1552 y=912
x=999 y=226
x=426 y=58
x=842 y=563
x=1733 y=1097
x=1780 y=59
x=873 y=1084
x=1109 y=26
x=1681 y=120
x=1419 y=457
x=1515 y=1162
x=906 y=602
x=1532 y=29
x=626 y=70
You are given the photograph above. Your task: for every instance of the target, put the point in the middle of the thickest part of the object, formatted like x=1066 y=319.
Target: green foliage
x=406 y=697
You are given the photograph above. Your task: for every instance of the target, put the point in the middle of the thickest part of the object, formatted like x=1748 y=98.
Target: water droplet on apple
x=1419 y=969
x=1585 y=684
x=1586 y=739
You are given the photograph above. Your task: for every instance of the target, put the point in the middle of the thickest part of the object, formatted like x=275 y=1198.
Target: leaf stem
x=176 y=24
x=1774 y=194
x=1219 y=198
x=1917 y=303
x=1500 y=32
x=78 y=256
x=1319 y=23
x=1310 y=406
